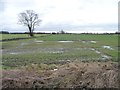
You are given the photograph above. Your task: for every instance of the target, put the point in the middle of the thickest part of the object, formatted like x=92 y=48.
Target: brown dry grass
x=71 y=75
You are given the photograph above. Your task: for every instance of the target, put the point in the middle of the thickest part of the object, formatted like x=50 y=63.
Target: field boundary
x=14 y=39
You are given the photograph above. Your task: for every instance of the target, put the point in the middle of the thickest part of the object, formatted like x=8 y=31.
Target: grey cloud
x=79 y=28
x=2 y=5
x=25 y=3
x=20 y=4
x=51 y=27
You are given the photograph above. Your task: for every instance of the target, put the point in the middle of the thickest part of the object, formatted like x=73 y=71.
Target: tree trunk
x=30 y=30
x=31 y=34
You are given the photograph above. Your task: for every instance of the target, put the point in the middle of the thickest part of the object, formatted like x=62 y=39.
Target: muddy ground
x=71 y=75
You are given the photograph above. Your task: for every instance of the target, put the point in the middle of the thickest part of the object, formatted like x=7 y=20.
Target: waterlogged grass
x=47 y=49
x=112 y=53
x=37 y=58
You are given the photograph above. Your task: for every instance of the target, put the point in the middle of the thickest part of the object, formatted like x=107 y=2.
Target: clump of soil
x=71 y=75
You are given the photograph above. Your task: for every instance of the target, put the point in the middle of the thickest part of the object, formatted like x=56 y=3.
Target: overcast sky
x=69 y=15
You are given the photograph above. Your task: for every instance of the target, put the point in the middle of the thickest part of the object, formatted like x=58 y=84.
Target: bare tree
x=30 y=19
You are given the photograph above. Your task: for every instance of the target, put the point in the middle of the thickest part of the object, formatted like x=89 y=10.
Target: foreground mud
x=71 y=75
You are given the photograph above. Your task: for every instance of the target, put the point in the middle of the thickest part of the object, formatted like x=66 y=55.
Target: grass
x=19 y=53
x=10 y=36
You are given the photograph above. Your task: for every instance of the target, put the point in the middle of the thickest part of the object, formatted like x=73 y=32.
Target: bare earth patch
x=71 y=75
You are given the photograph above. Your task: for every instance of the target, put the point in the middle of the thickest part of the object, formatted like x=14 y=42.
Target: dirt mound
x=71 y=75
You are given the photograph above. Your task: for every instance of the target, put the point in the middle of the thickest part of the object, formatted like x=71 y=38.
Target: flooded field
x=59 y=48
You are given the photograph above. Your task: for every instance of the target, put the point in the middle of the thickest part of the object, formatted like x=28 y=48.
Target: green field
x=57 y=49
x=10 y=36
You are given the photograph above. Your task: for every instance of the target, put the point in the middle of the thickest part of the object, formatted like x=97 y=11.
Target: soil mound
x=71 y=75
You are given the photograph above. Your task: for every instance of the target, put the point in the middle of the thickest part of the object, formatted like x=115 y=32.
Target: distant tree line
x=4 y=32
x=60 y=32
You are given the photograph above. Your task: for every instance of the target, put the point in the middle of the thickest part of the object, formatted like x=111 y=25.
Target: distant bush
x=117 y=32
x=53 y=33
x=62 y=32
x=4 y=32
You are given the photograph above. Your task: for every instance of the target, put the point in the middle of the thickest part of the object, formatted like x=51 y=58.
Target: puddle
x=22 y=44
x=64 y=61
x=0 y=52
x=105 y=57
x=83 y=41
x=14 y=53
x=65 y=41
x=54 y=70
x=19 y=52
x=88 y=41
x=93 y=41
x=39 y=41
x=98 y=52
x=55 y=51
x=92 y=49
x=52 y=50
x=107 y=47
